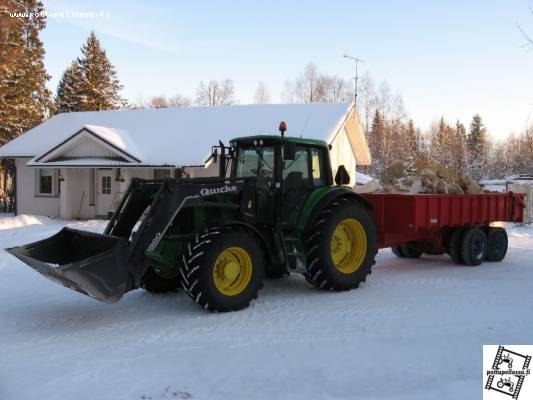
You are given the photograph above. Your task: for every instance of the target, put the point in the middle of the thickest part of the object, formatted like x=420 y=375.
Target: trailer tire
x=497 y=243
x=474 y=247
x=341 y=246
x=397 y=251
x=454 y=246
x=222 y=269
x=155 y=283
x=410 y=251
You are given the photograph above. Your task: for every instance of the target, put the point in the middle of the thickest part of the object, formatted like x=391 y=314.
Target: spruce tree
x=412 y=148
x=477 y=148
x=24 y=98
x=460 y=147
x=68 y=96
x=99 y=87
x=442 y=143
x=375 y=141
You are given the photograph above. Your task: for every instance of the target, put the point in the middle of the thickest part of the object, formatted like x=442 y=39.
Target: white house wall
x=85 y=147
x=76 y=194
x=341 y=153
x=27 y=201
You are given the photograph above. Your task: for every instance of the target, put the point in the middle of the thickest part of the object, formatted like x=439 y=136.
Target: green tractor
x=274 y=209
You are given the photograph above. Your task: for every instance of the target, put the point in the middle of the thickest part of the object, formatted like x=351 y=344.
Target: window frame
x=54 y=187
x=106 y=189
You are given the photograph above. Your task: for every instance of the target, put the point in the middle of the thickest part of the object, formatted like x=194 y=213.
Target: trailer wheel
x=341 y=247
x=497 y=243
x=410 y=251
x=474 y=247
x=406 y=251
x=397 y=251
x=454 y=246
x=157 y=282
x=223 y=269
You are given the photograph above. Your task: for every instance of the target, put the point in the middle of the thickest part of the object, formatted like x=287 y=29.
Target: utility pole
x=356 y=61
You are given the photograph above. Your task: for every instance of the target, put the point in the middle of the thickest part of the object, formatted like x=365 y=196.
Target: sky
x=445 y=58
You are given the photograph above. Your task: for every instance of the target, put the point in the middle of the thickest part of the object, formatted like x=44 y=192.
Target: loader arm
x=105 y=266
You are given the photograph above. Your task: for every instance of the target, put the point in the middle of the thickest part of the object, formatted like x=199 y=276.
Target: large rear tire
x=341 y=246
x=157 y=282
x=223 y=269
x=497 y=243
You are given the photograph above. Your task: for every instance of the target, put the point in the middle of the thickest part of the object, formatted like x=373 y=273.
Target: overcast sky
x=451 y=58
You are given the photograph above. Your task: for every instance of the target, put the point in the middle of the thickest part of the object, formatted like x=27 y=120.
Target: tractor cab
x=286 y=171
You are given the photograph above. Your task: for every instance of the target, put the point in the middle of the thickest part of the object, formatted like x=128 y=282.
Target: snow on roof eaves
x=81 y=162
x=181 y=136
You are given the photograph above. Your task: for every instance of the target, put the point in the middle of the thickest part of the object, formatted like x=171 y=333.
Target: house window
x=161 y=173
x=106 y=184
x=45 y=181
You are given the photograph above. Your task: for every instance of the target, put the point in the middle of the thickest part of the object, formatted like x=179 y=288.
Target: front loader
x=274 y=209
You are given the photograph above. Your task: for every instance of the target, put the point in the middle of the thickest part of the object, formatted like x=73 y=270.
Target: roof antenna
x=305 y=124
x=357 y=61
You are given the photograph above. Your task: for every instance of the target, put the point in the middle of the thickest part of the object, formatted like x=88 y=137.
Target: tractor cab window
x=317 y=166
x=298 y=167
x=255 y=162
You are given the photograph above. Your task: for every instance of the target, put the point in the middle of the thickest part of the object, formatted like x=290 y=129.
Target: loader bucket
x=90 y=263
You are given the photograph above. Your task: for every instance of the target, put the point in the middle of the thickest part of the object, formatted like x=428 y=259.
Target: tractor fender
x=270 y=250
x=320 y=198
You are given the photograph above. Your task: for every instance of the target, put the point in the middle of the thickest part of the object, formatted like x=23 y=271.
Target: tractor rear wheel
x=474 y=247
x=223 y=269
x=158 y=282
x=341 y=246
x=497 y=243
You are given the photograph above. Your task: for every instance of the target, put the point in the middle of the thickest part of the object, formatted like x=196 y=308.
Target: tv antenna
x=356 y=61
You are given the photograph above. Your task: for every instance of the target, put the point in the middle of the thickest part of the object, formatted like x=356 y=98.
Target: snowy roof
x=180 y=136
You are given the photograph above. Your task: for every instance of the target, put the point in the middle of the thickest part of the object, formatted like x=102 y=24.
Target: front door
x=104 y=191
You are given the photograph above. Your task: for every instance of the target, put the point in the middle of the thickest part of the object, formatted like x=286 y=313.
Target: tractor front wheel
x=223 y=269
x=341 y=246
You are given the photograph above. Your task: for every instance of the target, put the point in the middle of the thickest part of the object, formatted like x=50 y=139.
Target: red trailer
x=459 y=225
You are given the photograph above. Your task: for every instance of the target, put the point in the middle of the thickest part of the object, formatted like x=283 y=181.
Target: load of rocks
x=428 y=177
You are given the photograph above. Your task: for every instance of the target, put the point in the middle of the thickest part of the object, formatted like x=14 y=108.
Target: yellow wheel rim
x=348 y=245
x=232 y=271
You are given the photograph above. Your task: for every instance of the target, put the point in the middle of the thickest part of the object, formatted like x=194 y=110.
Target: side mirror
x=342 y=177
x=289 y=151
x=214 y=154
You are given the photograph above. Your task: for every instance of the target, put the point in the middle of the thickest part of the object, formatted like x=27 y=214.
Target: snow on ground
x=415 y=330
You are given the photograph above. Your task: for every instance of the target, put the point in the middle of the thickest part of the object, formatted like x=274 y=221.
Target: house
x=77 y=165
